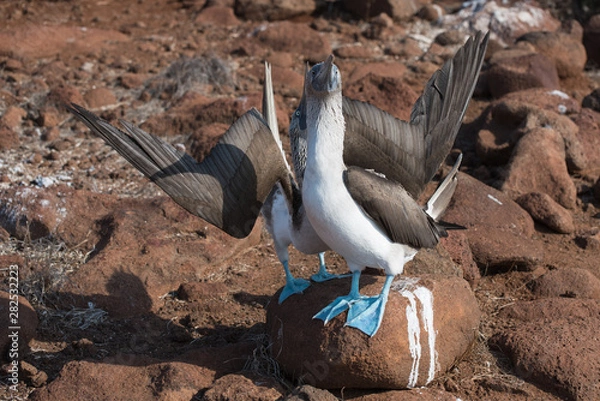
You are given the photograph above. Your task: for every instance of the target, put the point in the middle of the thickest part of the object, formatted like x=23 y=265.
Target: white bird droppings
x=418 y=295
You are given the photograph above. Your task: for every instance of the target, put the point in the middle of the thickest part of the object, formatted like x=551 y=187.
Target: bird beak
x=325 y=78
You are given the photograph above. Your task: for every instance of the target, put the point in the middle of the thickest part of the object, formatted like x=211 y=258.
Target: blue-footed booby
x=290 y=226
x=366 y=218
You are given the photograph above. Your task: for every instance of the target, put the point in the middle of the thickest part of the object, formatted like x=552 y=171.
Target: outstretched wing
x=411 y=152
x=227 y=189
x=393 y=209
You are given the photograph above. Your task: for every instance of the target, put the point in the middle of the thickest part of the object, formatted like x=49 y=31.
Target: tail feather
x=439 y=201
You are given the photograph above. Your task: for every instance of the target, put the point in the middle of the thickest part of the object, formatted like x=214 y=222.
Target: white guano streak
x=413 y=318
x=426 y=298
x=414 y=337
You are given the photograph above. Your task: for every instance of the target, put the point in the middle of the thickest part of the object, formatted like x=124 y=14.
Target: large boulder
x=554 y=343
x=430 y=321
x=567 y=52
x=523 y=71
x=498 y=230
x=538 y=165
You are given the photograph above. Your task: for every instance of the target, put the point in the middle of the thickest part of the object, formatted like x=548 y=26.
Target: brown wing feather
x=411 y=152
x=227 y=189
x=393 y=209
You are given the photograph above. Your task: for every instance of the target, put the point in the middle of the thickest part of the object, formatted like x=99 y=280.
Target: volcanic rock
x=9 y=139
x=546 y=211
x=538 y=165
x=415 y=394
x=12 y=117
x=554 y=344
x=112 y=378
x=397 y=9
x=567 y=282
x=516 y=113
x=389 y=94
x=236 y=387
x=306 y=392
x=273 y=10
x=99 y=97
x=591 y=38
x=217 y=16
x=25 y=319
x=499 y=230
x=511 y=74
x=457 y=246
x=588 y=122
x=430 y=322
x=567 y=52
x=297 y=37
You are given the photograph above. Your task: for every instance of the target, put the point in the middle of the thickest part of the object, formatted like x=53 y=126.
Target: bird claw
x=294 y=286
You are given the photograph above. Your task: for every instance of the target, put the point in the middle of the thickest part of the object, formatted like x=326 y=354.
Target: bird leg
x=366 y=313
x=323 y=274
x=292 y=285
x=340 y=304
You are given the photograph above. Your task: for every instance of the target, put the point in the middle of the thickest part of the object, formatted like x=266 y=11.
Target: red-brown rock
x=44 y=41
x=390 y=94
x=567 y=282
x=538 y=165
x=555 y=101
x=499 y=231
x=416 y=394
x=397 y=9
x=236 y=387
x=514 y=115
x=62 y=95
x=273 y=10
x=546 y=211
x=567 y=52
x=25 y=318
x=297 y=37
x=193 y=112
x=588 y=122
x=99 y=97
x=554 y=344
x=334 y=356
x=457 y=245
x=9 y=139
x=217 y=16
x=13 y=116
x=511 y=74
x=112 y=379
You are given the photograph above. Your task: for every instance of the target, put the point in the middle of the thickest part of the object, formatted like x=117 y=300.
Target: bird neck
x=326 y=127
x=298 y=145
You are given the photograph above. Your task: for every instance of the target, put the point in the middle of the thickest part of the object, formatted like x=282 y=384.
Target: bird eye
x=297 y=113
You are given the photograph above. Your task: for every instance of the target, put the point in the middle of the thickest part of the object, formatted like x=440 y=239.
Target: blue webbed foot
x=323 y=274
x=292 y=285
x=340 y=304
x=366 y=314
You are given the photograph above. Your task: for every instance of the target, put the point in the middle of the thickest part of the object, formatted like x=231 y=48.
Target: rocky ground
x=127 y=296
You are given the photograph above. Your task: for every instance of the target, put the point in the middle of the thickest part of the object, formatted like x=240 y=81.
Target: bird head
x=323 y=78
